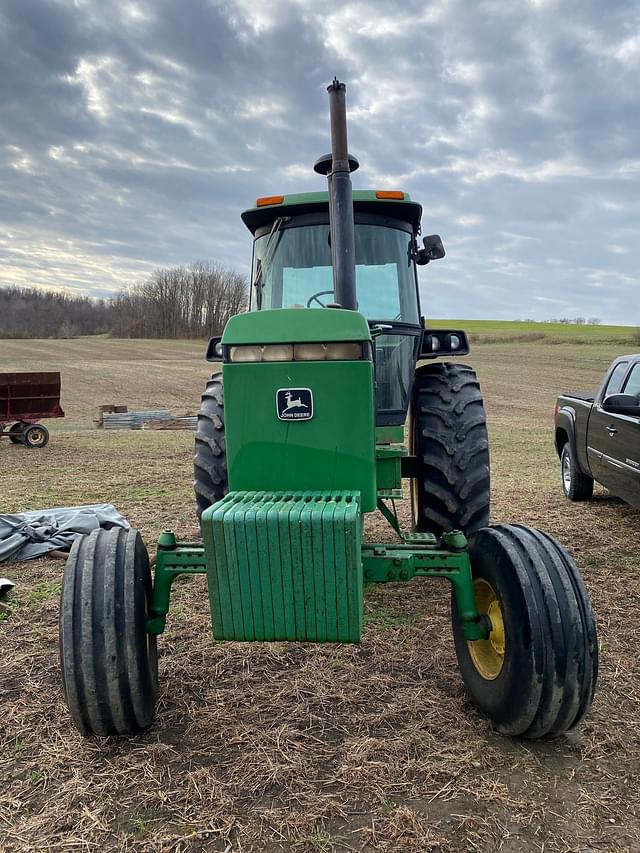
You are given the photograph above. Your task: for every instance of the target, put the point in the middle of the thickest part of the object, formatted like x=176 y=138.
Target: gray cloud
x=134 y=133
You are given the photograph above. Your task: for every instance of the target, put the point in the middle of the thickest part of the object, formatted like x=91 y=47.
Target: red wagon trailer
x=26 y=398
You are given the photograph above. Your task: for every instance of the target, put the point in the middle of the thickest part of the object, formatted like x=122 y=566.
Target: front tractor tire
x=535 y=675
x=211 y=481
x=451 y=489
x=108 y=659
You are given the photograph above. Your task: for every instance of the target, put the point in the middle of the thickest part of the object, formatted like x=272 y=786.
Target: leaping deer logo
x=293 y=403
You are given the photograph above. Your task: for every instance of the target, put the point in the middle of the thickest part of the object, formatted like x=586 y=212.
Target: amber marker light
x=390 y=194
x=269 y=199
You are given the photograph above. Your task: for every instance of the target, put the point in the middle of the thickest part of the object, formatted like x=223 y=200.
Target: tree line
x=577 y=321
x=192 y=301
x=29 y=313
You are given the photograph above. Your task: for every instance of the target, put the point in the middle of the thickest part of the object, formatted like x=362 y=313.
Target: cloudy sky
x=132 y=134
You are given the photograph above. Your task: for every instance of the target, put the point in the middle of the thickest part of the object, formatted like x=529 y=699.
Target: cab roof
x=364 y=201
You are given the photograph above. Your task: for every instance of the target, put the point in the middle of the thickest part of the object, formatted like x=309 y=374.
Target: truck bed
x=580 y=395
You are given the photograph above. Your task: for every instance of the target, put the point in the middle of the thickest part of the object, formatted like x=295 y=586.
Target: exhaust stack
x=343 y=252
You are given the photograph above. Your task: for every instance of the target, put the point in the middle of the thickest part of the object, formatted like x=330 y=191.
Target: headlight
x=268 y=352
x=277 y=352
x=309 y=352
x=443 y=342
x=347 y=351
x=328 y=352
x=344 y=352
x=338 y=351
x=246 y=354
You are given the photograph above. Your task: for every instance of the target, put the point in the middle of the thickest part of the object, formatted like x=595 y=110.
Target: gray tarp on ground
x=26 y=535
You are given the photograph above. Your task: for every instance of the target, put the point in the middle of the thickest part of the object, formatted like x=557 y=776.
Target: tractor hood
x=296 y=325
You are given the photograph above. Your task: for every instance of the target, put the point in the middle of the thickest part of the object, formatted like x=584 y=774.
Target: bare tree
x=183 y=302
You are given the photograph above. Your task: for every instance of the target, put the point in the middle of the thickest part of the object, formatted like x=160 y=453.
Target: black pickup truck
x=598 y=437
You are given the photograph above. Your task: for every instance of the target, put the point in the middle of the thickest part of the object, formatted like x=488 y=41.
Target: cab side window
x=632 y=385
x=616 y=379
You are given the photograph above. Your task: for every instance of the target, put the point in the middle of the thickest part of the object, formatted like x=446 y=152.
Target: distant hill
x=511 y=331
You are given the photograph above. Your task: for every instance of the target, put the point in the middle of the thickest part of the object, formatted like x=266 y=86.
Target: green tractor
x=303 y=432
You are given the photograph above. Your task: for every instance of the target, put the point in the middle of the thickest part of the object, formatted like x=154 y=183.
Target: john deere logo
x=294 y=404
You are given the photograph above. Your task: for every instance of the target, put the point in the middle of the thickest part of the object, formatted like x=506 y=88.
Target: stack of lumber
x=134 y=420
x=109 y=409
x=189 y=422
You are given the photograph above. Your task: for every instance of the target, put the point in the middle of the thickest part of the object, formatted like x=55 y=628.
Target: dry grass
x=281 y=747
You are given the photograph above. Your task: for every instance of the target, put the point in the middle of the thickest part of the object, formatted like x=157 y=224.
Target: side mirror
x=437 y=342
x=433 y=250
x=622 y=404
x=214 y=349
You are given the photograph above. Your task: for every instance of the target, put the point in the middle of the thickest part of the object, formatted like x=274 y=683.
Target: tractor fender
x=427 y=366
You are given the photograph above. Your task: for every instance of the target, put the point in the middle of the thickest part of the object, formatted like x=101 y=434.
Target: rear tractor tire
x=35 y=436
x=108 y=659
x=449 y=441
x=535 y=675
x=575 y=485
x=210 y=458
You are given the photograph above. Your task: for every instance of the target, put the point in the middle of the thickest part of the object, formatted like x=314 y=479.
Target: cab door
x=624 y=459
x=627 y=444
x=614 y=440
x=602 y=431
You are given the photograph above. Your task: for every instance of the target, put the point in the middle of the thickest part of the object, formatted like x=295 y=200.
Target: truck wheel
x=15 y=433
x=575 y=485
x=35 y=435
x=450 y=443
x=536 y=673
x=210 y=458
x=108 y=660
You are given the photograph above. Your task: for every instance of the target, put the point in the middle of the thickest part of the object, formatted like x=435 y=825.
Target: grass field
x=282 y=747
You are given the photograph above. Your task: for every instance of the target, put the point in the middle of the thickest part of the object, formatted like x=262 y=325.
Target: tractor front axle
x=419 y=555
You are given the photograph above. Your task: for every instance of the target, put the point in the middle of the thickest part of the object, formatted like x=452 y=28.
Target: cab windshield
x=292 y=269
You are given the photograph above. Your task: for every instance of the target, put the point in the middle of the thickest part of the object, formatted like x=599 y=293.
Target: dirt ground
x=282 y=747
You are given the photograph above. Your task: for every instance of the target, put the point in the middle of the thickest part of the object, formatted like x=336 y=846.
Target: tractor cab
x=292 y=268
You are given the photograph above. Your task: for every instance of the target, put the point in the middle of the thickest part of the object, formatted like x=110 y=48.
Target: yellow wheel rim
x=488 y=655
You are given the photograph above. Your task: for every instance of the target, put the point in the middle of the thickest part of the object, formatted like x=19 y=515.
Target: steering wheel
x=315 y=298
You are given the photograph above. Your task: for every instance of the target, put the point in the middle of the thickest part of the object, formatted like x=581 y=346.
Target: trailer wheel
x=108 y=660
x=210 y=458
x=449 y=441
x=15 y=433
x=575 y=485
x=35 y=435
x=536 y=673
